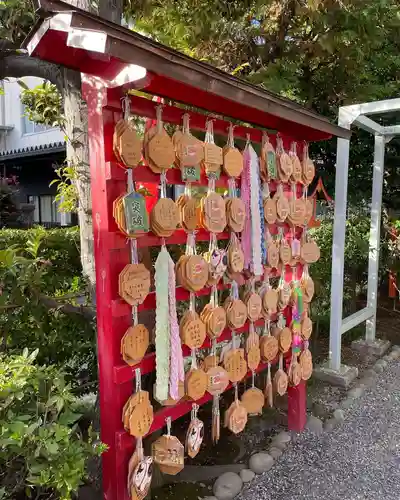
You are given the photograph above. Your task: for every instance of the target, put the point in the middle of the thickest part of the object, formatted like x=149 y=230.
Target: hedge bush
x=38 y=261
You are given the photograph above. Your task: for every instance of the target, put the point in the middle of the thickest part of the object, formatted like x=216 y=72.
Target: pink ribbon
x=245 y=195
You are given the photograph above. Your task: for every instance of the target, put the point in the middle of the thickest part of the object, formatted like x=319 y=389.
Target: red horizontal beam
x=124 y=439
x=124 y=373
x=173 y=114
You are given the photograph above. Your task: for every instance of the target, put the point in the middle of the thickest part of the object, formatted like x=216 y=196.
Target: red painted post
x=297 y=407
x=109 y=263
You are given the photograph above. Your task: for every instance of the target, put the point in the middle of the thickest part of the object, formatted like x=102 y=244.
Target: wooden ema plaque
x=192 y=330
x=188 y=212
x=130 y=147
x=270 y=301
x=235 y=258
x=134 y=283
x=235 y=214
x=194 y=437
x=272 y=254
x=195 y=383
x=169 y=454
x=236 y=417
x=308 y=168
x=297 y=169
x=236 y=313
x=214 y=319
x=161 y=151
x=308 y=287
x=235 y=364
x=217 y=380
x=254 y=305
x=269 y=348
x=306 y=364
x=164 y=217
x=189 y=150
x=134 y=344
x=140 y=479
x=285 y=252
x=270 y=212
x=233 y=162
x=281 y=380
x=253 y=400
x=192 y=272
x=310 y=252
x=282 y=205
x=138 y=414
x=213 y=213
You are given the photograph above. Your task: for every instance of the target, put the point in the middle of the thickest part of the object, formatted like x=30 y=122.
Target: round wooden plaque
x=135 y=343
x=235 y=365
x=281 y=382
x=196 y=384
x=253 y=400
x=253 y=357
x=217 y=380
x=269 y=348
x=169 y=454
x=306 y=364
x=254 y=305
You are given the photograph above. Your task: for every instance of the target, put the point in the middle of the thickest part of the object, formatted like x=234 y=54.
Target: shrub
x=37 y=263
x=42 y=448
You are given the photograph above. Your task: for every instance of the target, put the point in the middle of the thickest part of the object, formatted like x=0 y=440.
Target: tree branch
x=14 y=65
x=50 y=303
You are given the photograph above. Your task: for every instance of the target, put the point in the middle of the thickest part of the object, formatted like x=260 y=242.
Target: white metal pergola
x=358 y=114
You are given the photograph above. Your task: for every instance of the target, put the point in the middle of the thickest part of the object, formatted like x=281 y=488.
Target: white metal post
x=374 y=235
x=339 y=233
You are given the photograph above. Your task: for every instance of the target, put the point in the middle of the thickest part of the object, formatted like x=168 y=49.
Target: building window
x=46 y=210
x=29 y=127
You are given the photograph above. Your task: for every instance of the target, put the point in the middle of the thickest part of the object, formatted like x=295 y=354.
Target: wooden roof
x=85 y=42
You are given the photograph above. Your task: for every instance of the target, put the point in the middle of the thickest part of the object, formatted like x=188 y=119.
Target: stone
x=278 y=444
x=330 y=424
x=227 y=486
x=261 y=462
x=377 y=347
x=343 y=378
x=355 y=393
x=378 y=368
x=247 y=475
x=382 y=363
x=282 y=437
x=210 y=498
x=339 y=415
x=393 y=355
x=387 y=358
x=275 y=452
x=347 y=403
x=314 y=425
x=366 y=381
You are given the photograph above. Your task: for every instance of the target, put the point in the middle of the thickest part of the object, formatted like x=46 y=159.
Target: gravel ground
x=358 y=460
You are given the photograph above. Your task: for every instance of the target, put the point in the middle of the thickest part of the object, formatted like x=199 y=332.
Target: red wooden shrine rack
x=105 y=54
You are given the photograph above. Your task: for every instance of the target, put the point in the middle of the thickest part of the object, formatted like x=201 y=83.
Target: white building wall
x=11 y=114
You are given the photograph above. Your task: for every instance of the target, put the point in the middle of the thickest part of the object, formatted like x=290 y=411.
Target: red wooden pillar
x=297 y=407
x=111 y=255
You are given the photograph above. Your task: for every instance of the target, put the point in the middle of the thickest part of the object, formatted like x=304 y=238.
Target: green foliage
x=16 y=19
x=36 y=263
x=356 y=262
x=43 y=104
x=42 y=448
